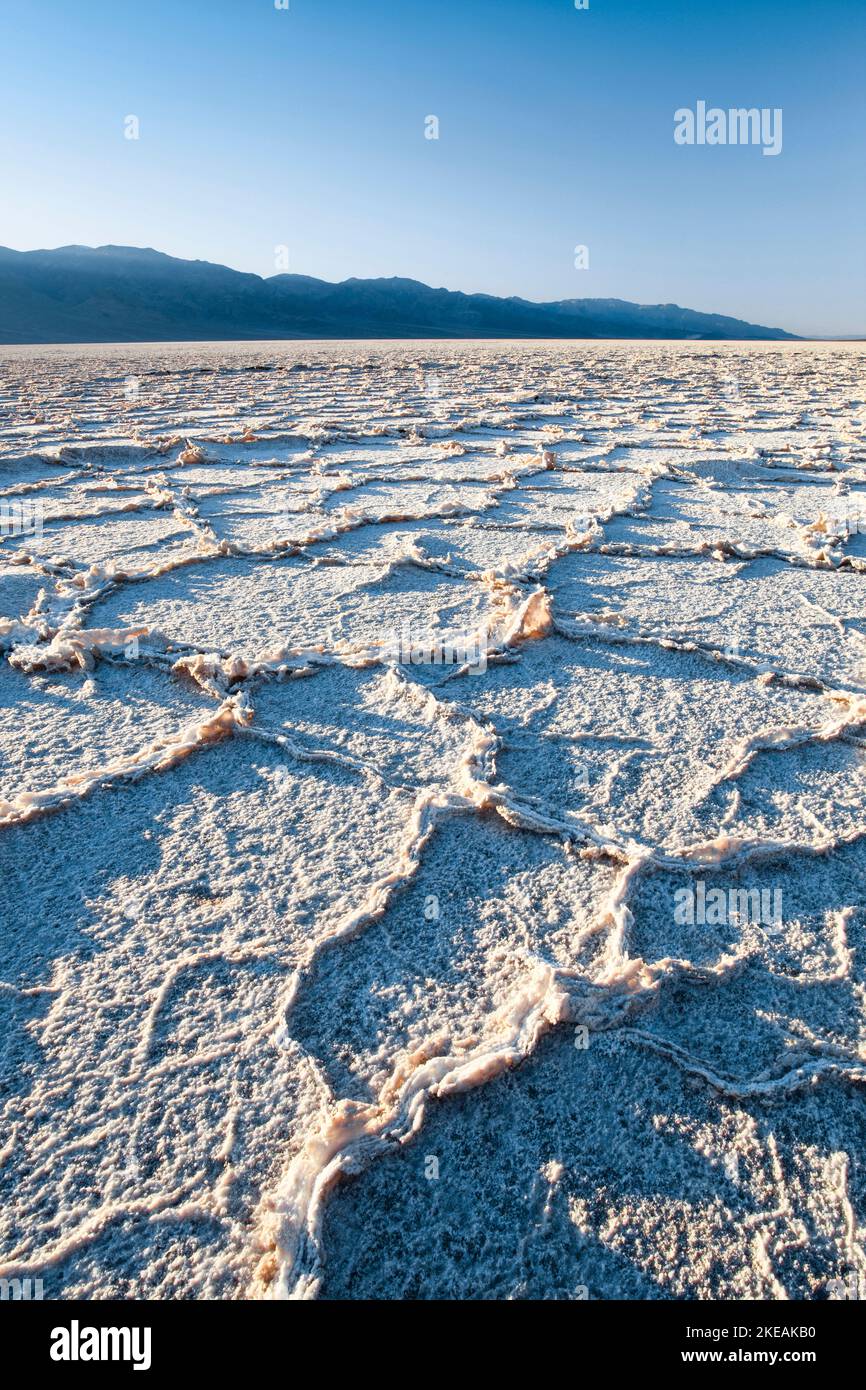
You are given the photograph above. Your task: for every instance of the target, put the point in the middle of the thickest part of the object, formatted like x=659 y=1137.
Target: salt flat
x=329 y=971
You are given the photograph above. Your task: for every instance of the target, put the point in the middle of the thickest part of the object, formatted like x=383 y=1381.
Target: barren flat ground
x=432 y=834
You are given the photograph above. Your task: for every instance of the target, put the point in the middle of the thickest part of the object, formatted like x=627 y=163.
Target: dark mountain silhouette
x=80 y=294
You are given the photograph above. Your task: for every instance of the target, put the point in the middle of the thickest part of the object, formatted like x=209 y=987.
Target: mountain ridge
x=111 y=293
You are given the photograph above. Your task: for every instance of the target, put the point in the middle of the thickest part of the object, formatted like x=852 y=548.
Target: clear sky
x=262 y=127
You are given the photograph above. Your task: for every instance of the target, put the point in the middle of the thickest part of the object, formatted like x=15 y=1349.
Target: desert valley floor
x=330 y=969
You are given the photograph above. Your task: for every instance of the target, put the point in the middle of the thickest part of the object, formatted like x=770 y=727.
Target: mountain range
x=78 y=294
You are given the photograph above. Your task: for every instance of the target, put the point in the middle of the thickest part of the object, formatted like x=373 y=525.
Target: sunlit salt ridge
x=327 y=972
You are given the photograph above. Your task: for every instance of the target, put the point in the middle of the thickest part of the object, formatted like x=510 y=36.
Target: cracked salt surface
x=326 y=974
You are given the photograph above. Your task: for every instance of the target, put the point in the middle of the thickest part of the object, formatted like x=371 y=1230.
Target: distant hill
x=78 y=294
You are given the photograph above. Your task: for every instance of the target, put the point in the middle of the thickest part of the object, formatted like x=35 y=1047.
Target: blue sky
x=305 y=128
